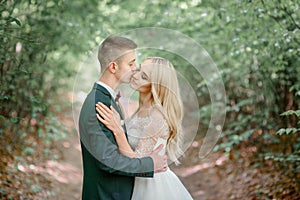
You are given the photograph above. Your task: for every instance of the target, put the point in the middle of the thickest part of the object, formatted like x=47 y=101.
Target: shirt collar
x=109 y=89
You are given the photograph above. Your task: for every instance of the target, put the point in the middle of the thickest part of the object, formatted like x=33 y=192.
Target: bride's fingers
x=100 y=119
x=103 y=114
x=101 y=106
x=98 y=109
x=105 y=107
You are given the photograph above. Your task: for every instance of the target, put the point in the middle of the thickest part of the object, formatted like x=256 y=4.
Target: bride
x=157 y=121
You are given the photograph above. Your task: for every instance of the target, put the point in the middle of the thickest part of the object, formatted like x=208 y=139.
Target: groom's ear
x=112 y=67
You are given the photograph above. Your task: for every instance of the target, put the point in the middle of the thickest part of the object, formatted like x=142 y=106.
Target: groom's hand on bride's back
x=160 y=161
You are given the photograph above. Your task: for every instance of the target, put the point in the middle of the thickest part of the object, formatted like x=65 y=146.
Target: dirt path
x=200 y=178
x=68 y=171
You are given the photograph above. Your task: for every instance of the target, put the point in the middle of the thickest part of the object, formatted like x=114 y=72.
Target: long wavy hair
x=166 y=94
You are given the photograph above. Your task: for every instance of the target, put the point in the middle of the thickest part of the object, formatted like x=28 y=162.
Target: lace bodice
x=145 y=132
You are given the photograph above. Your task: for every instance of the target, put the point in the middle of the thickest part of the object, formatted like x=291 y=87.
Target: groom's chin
x=126 y=81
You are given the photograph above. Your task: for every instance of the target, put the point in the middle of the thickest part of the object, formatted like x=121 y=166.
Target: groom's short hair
x=113 y=48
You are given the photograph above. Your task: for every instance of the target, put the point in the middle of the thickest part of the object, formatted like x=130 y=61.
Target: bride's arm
x=122 y=142
x=111 y=119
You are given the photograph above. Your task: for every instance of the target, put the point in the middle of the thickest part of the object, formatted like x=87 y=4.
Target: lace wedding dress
x=145 y=134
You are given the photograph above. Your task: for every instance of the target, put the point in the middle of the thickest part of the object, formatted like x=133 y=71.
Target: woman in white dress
x=157 y=121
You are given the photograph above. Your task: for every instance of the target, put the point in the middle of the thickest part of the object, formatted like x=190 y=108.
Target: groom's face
x=126 y=67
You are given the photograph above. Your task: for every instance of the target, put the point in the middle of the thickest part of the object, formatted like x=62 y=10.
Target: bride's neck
x=145 y=100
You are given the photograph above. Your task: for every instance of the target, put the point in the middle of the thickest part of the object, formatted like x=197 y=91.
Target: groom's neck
x=111 y=81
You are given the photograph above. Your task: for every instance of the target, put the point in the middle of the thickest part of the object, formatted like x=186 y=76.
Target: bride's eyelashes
x=144 y=76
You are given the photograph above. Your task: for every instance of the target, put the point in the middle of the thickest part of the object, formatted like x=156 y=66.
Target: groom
x=106 y=173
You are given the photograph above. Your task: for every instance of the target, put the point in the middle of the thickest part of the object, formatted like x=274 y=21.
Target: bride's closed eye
x=144 y=76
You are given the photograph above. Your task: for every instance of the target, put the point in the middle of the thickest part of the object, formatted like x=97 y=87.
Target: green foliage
x=255 y=45
x=28 y=151
x=259 y=54
x=291 y=112
x=287 y=131
x=36 y=60
x=3 y=191
x=294 y=156
x=36 y=188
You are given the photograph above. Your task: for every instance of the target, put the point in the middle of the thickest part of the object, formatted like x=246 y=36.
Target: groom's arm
x=111 y=160
x=101 y=143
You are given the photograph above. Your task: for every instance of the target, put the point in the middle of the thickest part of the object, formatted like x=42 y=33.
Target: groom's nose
x=134 y=74
x=133 y=68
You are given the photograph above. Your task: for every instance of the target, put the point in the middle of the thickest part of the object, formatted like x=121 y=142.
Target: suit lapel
x=113 y=102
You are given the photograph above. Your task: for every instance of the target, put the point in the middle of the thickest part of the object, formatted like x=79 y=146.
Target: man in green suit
x=106 y=173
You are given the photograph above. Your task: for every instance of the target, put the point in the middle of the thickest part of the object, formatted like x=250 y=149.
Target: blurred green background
x=254 y=43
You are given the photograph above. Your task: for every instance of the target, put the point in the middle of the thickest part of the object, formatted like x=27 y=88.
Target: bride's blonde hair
x=165 y=92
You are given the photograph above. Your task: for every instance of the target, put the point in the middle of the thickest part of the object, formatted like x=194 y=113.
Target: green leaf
x=12 y=19
x=287 y=131
x=247 y=134
x=28 y=151
x=2 y=117
x=3 y=191
x=36 y=189
x=291 y=112
x=281 y=131
x=14 y=119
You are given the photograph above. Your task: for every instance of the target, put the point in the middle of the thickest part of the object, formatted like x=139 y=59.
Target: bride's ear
x=112 y=67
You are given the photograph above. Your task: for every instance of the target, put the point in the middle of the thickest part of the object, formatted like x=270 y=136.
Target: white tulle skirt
x=163 y=186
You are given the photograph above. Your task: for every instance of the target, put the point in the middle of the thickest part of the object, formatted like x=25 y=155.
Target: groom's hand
x=160 y=161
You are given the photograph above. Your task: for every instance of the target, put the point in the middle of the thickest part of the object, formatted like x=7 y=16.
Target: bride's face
x=141 y=80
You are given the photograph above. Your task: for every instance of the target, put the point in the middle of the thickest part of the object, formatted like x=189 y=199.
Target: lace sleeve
x=154 y=132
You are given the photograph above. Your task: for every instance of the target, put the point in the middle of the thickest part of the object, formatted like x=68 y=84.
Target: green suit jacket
x=107 y=174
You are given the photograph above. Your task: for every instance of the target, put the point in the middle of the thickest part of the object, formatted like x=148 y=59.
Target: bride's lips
x=133 y=81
